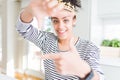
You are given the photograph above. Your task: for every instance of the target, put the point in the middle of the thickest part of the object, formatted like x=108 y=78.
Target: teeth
x=61 y=31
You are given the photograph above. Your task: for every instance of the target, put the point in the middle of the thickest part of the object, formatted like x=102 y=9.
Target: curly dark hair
x=75 y=3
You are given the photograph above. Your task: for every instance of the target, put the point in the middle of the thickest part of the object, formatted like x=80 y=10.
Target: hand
x=40 y=9
x=69 y=63
x=46 y=7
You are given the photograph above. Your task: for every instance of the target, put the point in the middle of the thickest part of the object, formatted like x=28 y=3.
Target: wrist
x=88 y=76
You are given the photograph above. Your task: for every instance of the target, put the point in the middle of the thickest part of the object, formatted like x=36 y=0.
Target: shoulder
x=87 y=45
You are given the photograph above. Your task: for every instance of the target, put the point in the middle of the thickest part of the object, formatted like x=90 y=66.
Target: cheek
x=70 y=26
x=55 y=27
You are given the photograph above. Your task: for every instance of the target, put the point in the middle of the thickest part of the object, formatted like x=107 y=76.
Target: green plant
x=106 y=42
x=111 y=43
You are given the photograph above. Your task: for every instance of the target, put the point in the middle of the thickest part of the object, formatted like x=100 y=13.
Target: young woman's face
x=63 y=23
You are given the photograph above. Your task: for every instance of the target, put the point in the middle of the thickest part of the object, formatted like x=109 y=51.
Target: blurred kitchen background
x=97 y=20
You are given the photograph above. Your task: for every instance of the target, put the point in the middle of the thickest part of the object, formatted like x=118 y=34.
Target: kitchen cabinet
x=111 y=72
x=111 y=68
x=108 y=8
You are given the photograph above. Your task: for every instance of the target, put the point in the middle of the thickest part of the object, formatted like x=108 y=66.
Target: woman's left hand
x=69 y=63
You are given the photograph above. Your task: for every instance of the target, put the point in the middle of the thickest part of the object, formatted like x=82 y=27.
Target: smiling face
x=63 y=23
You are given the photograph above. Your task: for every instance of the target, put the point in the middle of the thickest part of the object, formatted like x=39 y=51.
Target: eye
x=66 y=21
x=55 y=21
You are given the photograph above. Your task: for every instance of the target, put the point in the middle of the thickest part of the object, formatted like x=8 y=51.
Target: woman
x=66 y=57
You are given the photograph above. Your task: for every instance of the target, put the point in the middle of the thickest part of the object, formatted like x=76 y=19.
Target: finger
x=52 y=56
x=47 y=0
x=36 y=2
x=72 y=46
x=57 y=65
x=58 y=69
x=52 y=3
x=58 y=7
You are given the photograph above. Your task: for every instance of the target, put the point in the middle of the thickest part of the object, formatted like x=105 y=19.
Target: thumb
x=72 y=46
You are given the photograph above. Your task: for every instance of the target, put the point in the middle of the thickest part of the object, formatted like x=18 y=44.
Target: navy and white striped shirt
x=48 y=43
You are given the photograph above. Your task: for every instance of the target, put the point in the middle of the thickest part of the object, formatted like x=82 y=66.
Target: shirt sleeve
x=31 y=33
x=93 y=59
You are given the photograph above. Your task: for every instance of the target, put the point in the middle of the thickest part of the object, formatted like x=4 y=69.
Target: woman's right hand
x=40 y=9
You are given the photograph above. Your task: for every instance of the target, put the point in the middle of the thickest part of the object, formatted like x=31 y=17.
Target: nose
x=61 y=25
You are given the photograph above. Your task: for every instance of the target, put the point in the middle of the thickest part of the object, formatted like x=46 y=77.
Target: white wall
x=82 y=28
x=96 y=29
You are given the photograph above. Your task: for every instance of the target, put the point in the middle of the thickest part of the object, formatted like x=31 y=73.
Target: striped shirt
x=48 y=43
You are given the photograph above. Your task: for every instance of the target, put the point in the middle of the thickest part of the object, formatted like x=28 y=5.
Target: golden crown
x=67 y=5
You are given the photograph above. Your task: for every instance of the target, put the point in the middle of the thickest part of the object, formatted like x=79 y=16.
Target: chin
x=62 y=37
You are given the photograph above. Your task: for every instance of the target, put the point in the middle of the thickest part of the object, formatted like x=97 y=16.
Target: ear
x=74 y=20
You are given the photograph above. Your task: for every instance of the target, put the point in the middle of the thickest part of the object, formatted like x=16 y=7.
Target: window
x=112 y=28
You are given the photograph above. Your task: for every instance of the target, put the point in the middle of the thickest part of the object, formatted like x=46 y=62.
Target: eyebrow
x=68 y=10
x=57 y=18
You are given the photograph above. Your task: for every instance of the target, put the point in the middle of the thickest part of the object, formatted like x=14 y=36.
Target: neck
x=64 y=44
x=66 y=41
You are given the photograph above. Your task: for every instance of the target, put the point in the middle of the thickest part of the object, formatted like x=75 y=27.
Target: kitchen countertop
x=110 y=61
